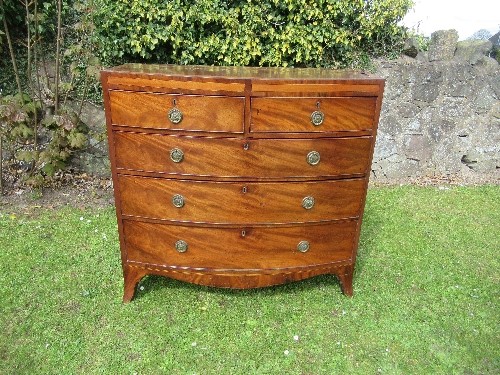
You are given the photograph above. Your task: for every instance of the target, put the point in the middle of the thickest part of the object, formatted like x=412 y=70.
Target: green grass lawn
x=426 y=300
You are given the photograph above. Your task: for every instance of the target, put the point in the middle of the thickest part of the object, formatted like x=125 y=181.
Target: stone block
x=459 y=89
x=495 y=110
x=480 y=161
x=425 y=92
x=487 y=65
x=442 y=45
x=385 y=147
x=410 y=47
x=93 y=163
x=417 y=147
x=440 y=129
x=452 y=108
x=408 y=110
x=92 y=115
x=447 y=155
x=428 y=80
x=391 y=124
x=484 y=101
x=388 y=168
x=495 y=84
x=461 y=72
x=422 y=56
x=472 y=51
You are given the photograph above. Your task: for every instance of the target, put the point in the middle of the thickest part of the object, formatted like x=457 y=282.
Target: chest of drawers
x=239 y=177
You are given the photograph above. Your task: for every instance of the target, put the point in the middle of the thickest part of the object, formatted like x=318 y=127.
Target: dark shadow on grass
x=153 y=283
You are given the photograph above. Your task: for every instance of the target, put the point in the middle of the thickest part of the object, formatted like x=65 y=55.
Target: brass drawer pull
x=178 y=201
x=317 y=118
x=175 y=114
x=308 y=202
x=181 y=246
x=303 y=246
x=176 y=155
x=313 y=158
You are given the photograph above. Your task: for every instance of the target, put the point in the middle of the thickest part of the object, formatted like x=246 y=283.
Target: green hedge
x=333 y=33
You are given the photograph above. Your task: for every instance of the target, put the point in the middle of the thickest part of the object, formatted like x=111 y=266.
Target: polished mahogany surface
x=237 y=158
x=234 y=73
x=239 y=177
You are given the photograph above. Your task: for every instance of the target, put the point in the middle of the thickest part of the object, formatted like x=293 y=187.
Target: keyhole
x=243 y=233
x=175 y=102
x=244 y=189
x=318 y=104
x=246 y=146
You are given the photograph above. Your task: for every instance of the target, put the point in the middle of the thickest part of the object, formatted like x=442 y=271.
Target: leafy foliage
x=39 y=129
x=13 y=12
x=333 y=33
x=422 y=41
x=64 y=134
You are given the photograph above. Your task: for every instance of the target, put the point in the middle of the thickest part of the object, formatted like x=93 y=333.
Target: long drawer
x=229 y=202
x=253 y=248
x=242 y=158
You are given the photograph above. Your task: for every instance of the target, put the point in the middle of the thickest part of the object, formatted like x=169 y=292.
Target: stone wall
x=94 y=160
x=441 y=114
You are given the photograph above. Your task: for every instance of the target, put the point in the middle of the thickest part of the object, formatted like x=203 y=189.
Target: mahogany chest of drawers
x=239 y=177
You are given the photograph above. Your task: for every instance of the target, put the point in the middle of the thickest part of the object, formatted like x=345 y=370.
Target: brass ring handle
x=313 y=158
x=303 y=246
x=175 y=115
x=308 y=202
x=178 y=201
x=181 y=246
x=317 y=118
x=176 y=155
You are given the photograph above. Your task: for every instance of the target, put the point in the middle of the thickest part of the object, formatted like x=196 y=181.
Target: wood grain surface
x=245 y=203
x=293 y=114
x=200 y=113
x=236 y=279
x=227 y=157
x=260 y=248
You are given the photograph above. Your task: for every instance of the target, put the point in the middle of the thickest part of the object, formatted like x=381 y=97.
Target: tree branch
x=58 y=57
x=12 y=55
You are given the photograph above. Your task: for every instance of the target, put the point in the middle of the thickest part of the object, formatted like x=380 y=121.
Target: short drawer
x=312 y=114
x=240 y=203
x=242 y=158
x=177 y=112
x=251 y=248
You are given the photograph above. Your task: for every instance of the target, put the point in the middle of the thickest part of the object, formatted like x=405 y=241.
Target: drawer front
x=190 y=112
x=245 y=248
x=240 y=158
x=227 y=202
x=294 y=114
